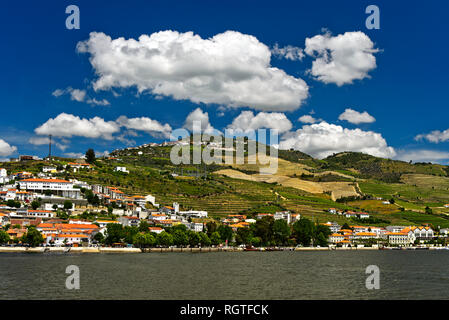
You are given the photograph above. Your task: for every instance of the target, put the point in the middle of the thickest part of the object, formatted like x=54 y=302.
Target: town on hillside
x=42 y=209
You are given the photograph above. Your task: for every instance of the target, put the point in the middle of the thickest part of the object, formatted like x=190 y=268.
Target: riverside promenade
x=162 y=250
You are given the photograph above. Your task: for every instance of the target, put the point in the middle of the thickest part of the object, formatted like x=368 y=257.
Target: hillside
x=351 y=181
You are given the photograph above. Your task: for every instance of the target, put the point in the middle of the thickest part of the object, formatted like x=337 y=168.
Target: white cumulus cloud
x=422 y=155
x=341 y=59
x=231 y=69
x=435 y=136
x=198 y=116
x=153 y=127
x=288 y=52
x=6 y=149
x=80 y=95
x=269 y=120
x=68 y=125
x=356 y=117
x=307 y=119
x=323 y=139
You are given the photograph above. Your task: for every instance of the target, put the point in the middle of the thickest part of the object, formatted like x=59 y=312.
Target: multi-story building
x=420 y=233
x=333 y=226
x=194 y=214
x=129 y=221
x=59 y=187
x=336 y=238
x=400 y=238
x=364 y=235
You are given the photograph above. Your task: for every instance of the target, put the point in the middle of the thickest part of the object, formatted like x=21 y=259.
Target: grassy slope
x=414 y=186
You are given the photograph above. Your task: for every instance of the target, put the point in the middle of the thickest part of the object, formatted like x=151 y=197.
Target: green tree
x=129 y=233
x=281 y=232
x=13 y=204
x=204 y=239
x=164 y=239
x=144 y=240
x=215 y=238
x=68 y=205
x=32 y=237
x=263 y=228
x=90 y=156
x=303 y=231
x=180 y=238
x=99 y=237
x=428 y=210
x=143 y=226
x=243 y=236
x=4 y=237
x=256 y=241
x=179 y=227
x=35 y=204
x=321 y=235
x=225 y=232
x=194 y=238
x=114 y=233
x=211 y=227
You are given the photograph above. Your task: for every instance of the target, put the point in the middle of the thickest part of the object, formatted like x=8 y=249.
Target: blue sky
x=406 y=91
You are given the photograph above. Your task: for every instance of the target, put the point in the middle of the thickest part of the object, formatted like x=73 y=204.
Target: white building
x=77 y=166
x=48 y=169
x=336 y=238
x=394 y=229
x=104 y=223
x=157 y=217
x=194 y=213
x=3 y=173
x=197 y=227
x=156 y=230
x=151 y=199
x=420 y=233
x=333 y=226
x=121 y=169
x=400 y=238
x=71 y=239
x=41 y=214
x=60 y=187
x=286 y=215
x=129 y=221
x=365 y=235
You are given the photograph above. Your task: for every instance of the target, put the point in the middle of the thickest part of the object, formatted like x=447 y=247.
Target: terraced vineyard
x=302 y=184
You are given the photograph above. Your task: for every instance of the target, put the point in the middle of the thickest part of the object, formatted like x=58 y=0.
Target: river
x=227 y=275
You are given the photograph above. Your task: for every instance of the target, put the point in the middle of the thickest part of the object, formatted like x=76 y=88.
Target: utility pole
x=49 y=148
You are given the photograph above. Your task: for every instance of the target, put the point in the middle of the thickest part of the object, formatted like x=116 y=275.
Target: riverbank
x=195 y=250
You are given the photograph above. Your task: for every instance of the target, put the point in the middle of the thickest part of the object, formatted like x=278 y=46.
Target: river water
x=227 y=275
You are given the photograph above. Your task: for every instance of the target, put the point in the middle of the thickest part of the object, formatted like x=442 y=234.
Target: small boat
x=251 y=248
